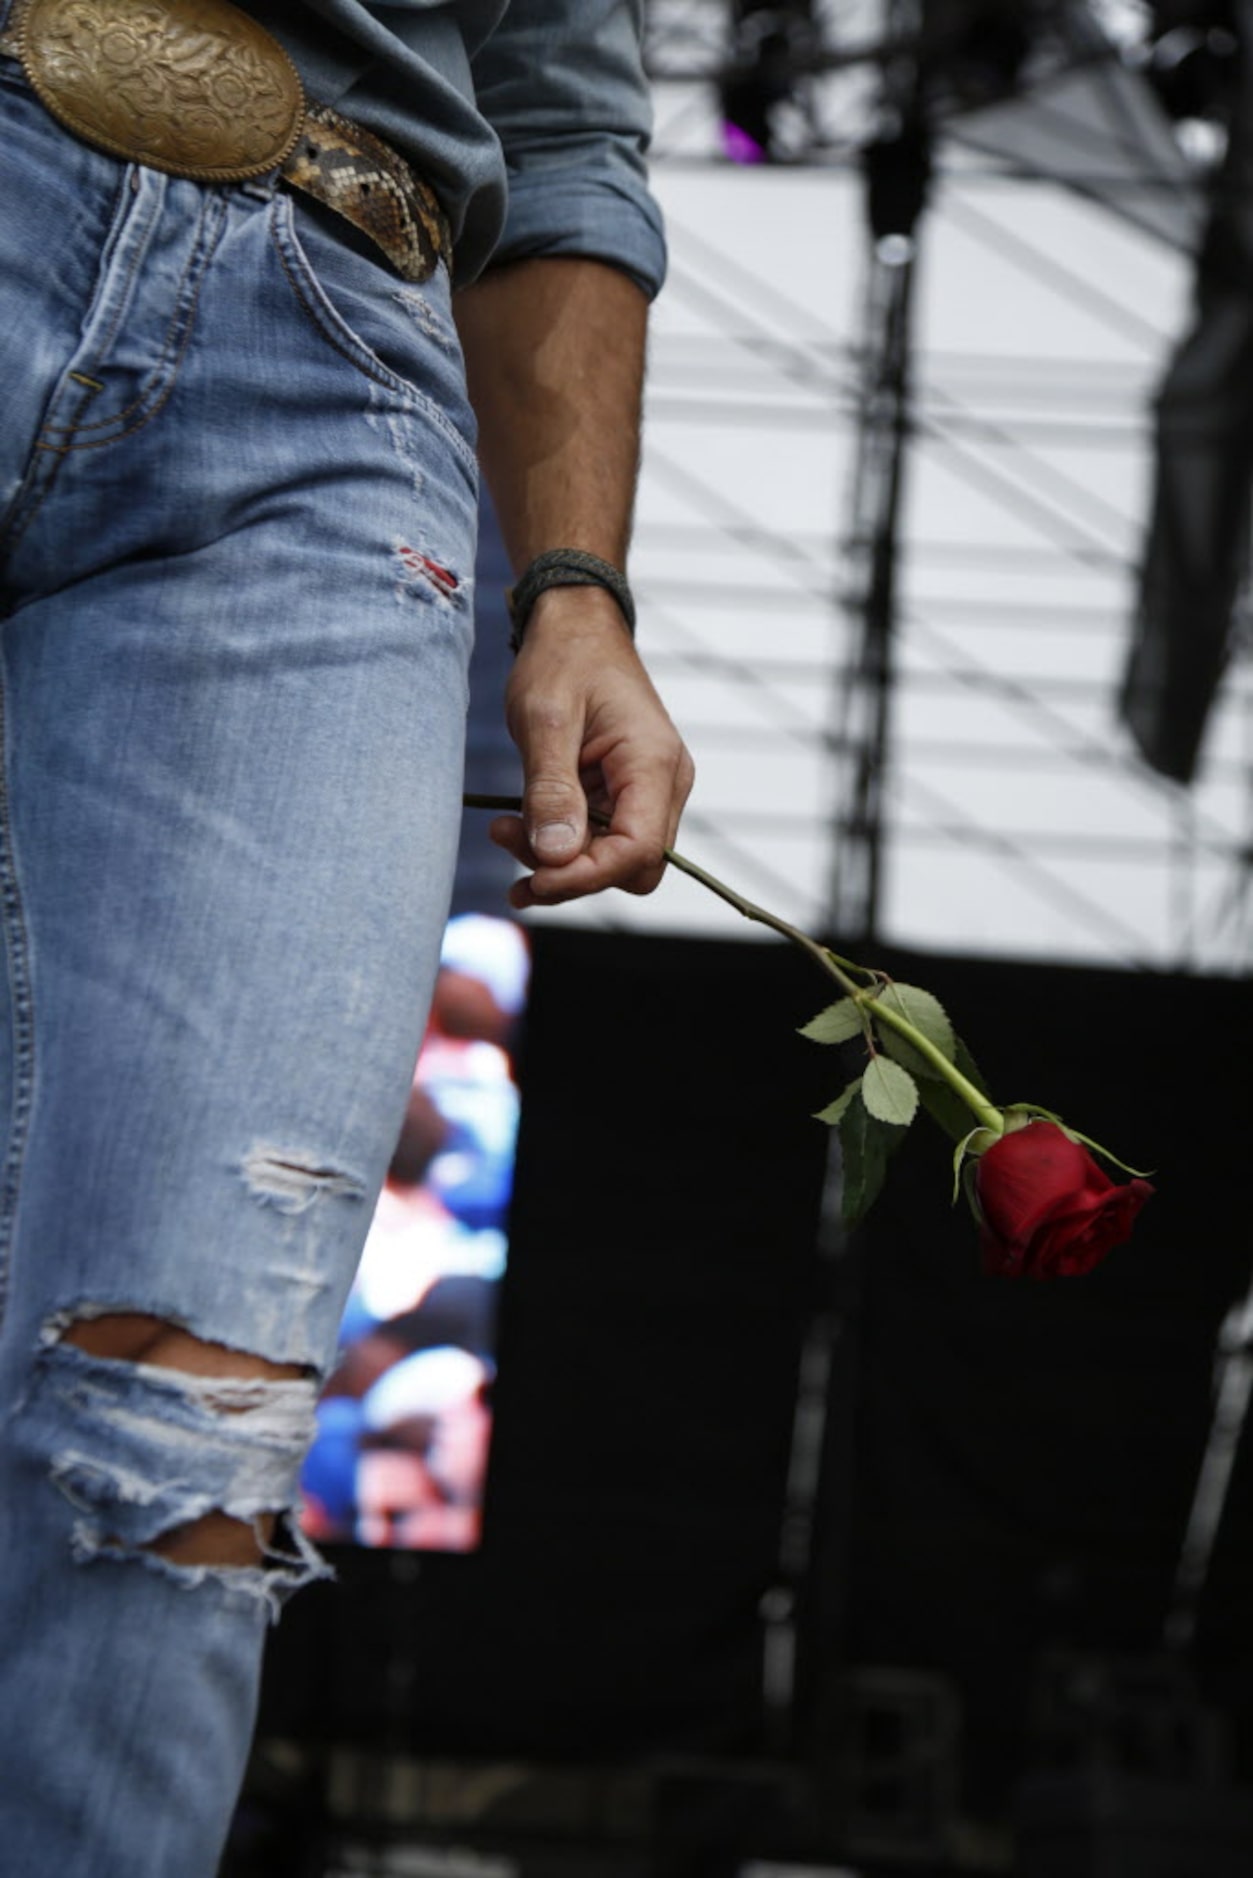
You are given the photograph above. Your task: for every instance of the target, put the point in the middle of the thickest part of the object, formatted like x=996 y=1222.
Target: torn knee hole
x=173 y=1450
x=135 y=1337
x=218 y=1539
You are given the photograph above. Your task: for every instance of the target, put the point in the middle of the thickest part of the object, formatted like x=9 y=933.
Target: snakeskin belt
x=197 y=88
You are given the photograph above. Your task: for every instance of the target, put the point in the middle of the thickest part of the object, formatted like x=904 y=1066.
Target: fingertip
x=502 y=828
x=645 y=883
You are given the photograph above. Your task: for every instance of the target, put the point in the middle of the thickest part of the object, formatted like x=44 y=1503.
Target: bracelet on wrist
x=565 y=567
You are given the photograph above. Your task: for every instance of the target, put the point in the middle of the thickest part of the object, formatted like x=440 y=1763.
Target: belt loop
x=264 y=188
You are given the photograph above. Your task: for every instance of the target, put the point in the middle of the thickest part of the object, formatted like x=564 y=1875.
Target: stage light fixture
x=975 y=49
x=897 y=171
x=1192 y=61
x=769 y=45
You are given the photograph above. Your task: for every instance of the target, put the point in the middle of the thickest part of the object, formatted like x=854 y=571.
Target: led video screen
x=404 y=1424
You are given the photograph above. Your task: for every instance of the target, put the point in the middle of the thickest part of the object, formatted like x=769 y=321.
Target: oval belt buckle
x=192 y=87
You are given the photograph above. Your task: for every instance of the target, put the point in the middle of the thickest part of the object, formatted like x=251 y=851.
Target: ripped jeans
x=237 y=513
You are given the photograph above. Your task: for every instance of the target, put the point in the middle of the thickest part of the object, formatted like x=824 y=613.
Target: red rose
x=1046 y=1208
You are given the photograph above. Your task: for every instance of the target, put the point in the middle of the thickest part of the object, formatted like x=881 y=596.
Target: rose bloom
x=1046 y=1209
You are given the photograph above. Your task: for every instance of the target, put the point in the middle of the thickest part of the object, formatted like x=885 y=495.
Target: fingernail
x=554 y=838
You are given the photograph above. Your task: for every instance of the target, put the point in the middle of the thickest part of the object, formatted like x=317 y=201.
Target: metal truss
x=886 y=576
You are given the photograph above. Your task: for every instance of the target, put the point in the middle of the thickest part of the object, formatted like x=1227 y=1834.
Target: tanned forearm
x=555 y=359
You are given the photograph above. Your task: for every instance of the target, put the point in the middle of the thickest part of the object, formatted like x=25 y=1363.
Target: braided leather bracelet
x=565 y=567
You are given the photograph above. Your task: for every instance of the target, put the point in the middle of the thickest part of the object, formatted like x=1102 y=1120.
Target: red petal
x=1026 y=1175
x=1072 y=1240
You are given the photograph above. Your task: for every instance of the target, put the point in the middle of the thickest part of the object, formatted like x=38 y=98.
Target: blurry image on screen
x=404 y=1425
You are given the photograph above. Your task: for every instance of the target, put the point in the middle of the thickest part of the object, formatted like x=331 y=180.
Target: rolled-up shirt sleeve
x=562 y=84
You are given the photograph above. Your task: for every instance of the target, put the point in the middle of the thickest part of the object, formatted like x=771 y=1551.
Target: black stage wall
x=1010 y=1464
x=1024 y=1454
x=659 y=1278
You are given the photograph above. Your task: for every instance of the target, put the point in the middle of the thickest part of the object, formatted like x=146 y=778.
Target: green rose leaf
x=866 y=1146
x=836 y=1024
x=927 y=1015
x=834 y=1112
x=889 y=1092
x=944 y=1105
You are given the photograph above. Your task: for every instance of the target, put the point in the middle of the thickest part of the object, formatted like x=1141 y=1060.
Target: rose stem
x=748 y=908
x=989 y=1116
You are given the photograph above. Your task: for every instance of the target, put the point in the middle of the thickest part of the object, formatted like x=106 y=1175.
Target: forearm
x=555 y=356
x=555 y=360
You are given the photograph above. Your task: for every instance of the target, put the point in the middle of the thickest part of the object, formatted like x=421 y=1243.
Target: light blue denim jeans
x=237 y=514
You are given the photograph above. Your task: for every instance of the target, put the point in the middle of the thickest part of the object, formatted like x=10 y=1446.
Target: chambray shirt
x=529 y=118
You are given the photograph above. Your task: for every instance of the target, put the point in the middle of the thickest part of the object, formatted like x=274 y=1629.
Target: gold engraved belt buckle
x=192 y=87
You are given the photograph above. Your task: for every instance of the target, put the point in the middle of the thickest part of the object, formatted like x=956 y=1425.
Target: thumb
x=554 y=807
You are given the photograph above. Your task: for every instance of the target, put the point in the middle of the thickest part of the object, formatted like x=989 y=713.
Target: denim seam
x=358 y=354
x=140 y=250
x=22 y=1012
x=37 y=479
x=40 y=482
x=36 y=486
x=177 y=338
x=164 y=376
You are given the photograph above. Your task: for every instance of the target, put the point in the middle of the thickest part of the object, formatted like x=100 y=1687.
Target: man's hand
x=592 y=733
x=555 y=358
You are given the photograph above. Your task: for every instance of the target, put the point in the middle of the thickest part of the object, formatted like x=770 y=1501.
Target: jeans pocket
x=397 y=335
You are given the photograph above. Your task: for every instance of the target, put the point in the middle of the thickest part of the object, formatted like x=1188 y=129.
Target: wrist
x=569 y=611
x=571 y=576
